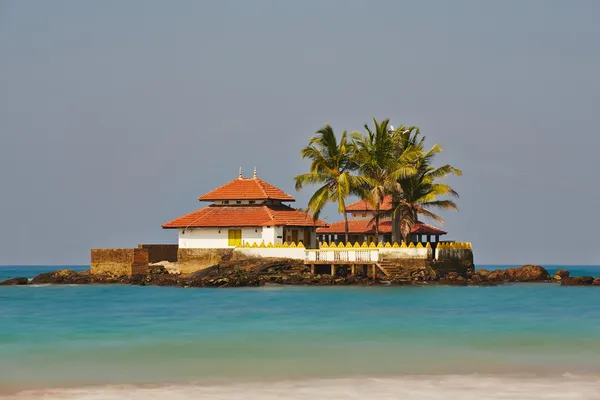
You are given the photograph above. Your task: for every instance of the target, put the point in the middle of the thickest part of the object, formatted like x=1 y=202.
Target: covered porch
x=364 y=232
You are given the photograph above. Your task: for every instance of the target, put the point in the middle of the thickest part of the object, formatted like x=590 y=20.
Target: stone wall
x=463 y=268
x=119 y=261
x=192 y=260
x=407 y=252
x=409 y=268
x=160 y=252
x=445 y=253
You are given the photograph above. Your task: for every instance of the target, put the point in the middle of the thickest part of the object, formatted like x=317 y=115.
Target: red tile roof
x=368 y=227
x=246 y=189
x=243 y=215
x=363 y=205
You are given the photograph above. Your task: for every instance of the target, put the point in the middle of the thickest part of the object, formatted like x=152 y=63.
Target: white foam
x=464 y=387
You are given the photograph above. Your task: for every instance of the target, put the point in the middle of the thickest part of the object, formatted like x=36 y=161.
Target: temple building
x=245 y=211
x=361 y=226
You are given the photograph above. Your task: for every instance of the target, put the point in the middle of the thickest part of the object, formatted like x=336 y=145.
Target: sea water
x=522 y=341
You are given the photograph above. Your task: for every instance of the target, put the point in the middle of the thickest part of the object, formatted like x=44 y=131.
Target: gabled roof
x=368 y=227
x=363 y=205
x=246 y=189
x=243 y=215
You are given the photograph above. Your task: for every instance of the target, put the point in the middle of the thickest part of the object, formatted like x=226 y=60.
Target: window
x=226 y=202
x=251 y=202
x=364 y=214
x=238 y=202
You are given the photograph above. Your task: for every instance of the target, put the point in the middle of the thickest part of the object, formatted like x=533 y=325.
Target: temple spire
x=255 y=176
x=240 y=173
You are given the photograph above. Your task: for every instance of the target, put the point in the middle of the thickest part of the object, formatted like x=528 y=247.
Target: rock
x=15 y=282
x=577 y=281
x=454 y=282
x=527 y=273
x=158 y=270
x=561 y=274
x=482 y=272
x=596 y=282
x=111 y=279
x=221 y=277
x=63 y=276
x=497 y=275
x=453 y=276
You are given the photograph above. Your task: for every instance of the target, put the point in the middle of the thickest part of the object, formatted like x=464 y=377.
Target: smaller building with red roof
x=361 y=226
x=245 y=211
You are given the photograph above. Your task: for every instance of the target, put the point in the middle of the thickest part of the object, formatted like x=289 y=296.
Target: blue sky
x=116 y=115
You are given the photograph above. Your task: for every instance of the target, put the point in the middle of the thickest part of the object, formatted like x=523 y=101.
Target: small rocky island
x=258 y=272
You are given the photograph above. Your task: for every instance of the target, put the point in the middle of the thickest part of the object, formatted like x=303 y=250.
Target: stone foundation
x=427 y=269
x=462 y=268
x=160 y=252
x=192 y=260
x=120 y=262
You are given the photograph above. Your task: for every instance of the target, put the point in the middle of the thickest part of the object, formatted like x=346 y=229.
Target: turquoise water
x=207 y=342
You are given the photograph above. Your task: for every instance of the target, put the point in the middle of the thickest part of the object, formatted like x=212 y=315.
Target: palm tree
x=420 y=193
x=382 y=161
x=331 y=167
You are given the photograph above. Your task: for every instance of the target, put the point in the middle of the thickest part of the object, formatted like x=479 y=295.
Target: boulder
x=596 y=282
x=111 y=278
x=527 y=273
x=482 y=272
x=497 y=275
x=460 y=281
x=220 y=277
x=577 y=281
x=561 y=274
x=15 y=282
x=63 y=276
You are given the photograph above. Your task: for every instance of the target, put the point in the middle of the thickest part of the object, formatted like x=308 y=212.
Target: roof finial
x=255 y=176
x=240 y=173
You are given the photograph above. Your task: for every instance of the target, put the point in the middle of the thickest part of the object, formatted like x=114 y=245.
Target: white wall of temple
x=218 y=238
x=297 y=253
x=272 y=234
x=203 y=238
x=252 y=235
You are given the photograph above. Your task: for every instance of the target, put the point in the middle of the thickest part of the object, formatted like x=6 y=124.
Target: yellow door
x=295 y=236
x=306 y=237
x=234 y=237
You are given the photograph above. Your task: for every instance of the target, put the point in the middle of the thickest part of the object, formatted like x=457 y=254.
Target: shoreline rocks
x=289 y=272
x=15 y=282
x=578 y=281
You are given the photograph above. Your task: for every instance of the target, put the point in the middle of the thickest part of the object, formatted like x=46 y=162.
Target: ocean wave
x=464 y=387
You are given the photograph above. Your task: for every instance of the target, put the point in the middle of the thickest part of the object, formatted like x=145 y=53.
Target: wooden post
x=374 y=271
x=333 y=269
x=353 y=269
x=312 y=269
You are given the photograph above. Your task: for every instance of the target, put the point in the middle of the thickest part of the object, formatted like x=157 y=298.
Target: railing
x=359 y=255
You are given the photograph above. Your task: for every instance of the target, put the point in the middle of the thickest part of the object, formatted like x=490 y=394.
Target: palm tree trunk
x=377 y=223
x=346 y=224
x=395 y=223
x=405 y=228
